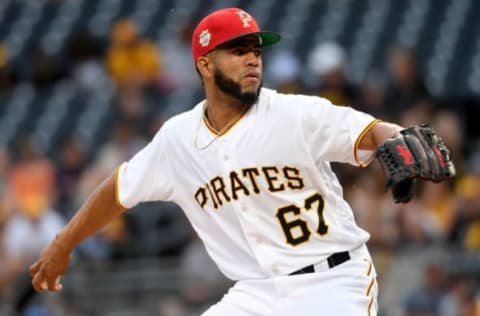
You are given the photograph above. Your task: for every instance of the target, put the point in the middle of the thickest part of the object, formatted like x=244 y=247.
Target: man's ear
x=204 y=67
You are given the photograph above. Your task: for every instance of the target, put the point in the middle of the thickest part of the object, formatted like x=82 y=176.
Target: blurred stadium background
x=84 y=84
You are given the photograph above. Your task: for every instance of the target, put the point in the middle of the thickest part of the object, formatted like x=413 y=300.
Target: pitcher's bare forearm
x=98 y=210
x=378 y=134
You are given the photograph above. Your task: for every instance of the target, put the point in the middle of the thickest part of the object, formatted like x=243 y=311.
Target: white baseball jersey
x=262 y=197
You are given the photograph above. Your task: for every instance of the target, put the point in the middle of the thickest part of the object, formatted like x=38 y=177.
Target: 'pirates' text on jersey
x=218 y=190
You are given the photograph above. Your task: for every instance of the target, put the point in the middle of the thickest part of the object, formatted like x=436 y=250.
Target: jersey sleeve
x=145 y=177
x=335 y=132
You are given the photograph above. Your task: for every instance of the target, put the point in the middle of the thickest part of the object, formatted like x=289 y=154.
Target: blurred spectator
x=466 y=224
x=3 y=55
x=5 y=198
x=31 y=184
x=135 y=64
x=440 y=204
x=131 y=59
x=42 y=68
x=5 y=207
x=460 y=299
x=447 y=123
x=429 y=217
x=203 y=282
x=26 y=234
x=179 y=69
x=426 y=300
x=406 y=86
x=86 y=57
x=419 y=112
x=470 y=106
x=72 y=162
x=125 y=142
x=371 y=97
x=327 y=61
x=374 y=210
x=7 y=77
x=32 y=179
x=283 y=70
x=153 y=125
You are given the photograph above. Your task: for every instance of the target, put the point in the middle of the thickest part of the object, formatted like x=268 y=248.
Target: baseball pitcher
x=250 y=167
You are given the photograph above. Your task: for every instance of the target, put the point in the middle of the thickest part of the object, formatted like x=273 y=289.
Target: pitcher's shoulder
x=274 y=100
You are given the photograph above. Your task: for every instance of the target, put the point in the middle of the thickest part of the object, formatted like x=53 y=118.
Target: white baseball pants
x=348 y=289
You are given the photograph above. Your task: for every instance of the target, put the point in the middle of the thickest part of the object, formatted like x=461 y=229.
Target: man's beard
x=233 y=89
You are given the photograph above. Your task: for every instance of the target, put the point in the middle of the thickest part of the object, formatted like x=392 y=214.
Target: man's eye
x=242 y=51
x=239 y=51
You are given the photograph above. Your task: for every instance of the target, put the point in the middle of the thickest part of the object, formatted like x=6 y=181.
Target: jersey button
x=275 y=269
x=225 y=157
x=244 y=208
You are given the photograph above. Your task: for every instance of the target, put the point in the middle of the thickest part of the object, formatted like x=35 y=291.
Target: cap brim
x=269 y=38
x=266 y=38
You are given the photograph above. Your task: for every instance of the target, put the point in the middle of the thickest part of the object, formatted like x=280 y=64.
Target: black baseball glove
x=418 y=153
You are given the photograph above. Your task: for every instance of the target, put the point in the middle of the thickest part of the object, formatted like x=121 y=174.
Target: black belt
x=334 y=260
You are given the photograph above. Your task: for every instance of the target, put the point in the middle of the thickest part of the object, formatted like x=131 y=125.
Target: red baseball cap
x=224 y=25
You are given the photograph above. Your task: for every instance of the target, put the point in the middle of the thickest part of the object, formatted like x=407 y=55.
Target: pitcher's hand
x=52 y=264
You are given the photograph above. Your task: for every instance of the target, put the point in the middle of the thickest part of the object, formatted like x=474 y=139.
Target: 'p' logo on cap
x=245 y=18
x=223 y=25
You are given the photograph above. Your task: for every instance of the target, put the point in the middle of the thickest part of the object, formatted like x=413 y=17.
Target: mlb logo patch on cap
x=204 y=38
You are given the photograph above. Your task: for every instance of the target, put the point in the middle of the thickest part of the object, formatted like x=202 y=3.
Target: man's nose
x=253 y=59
